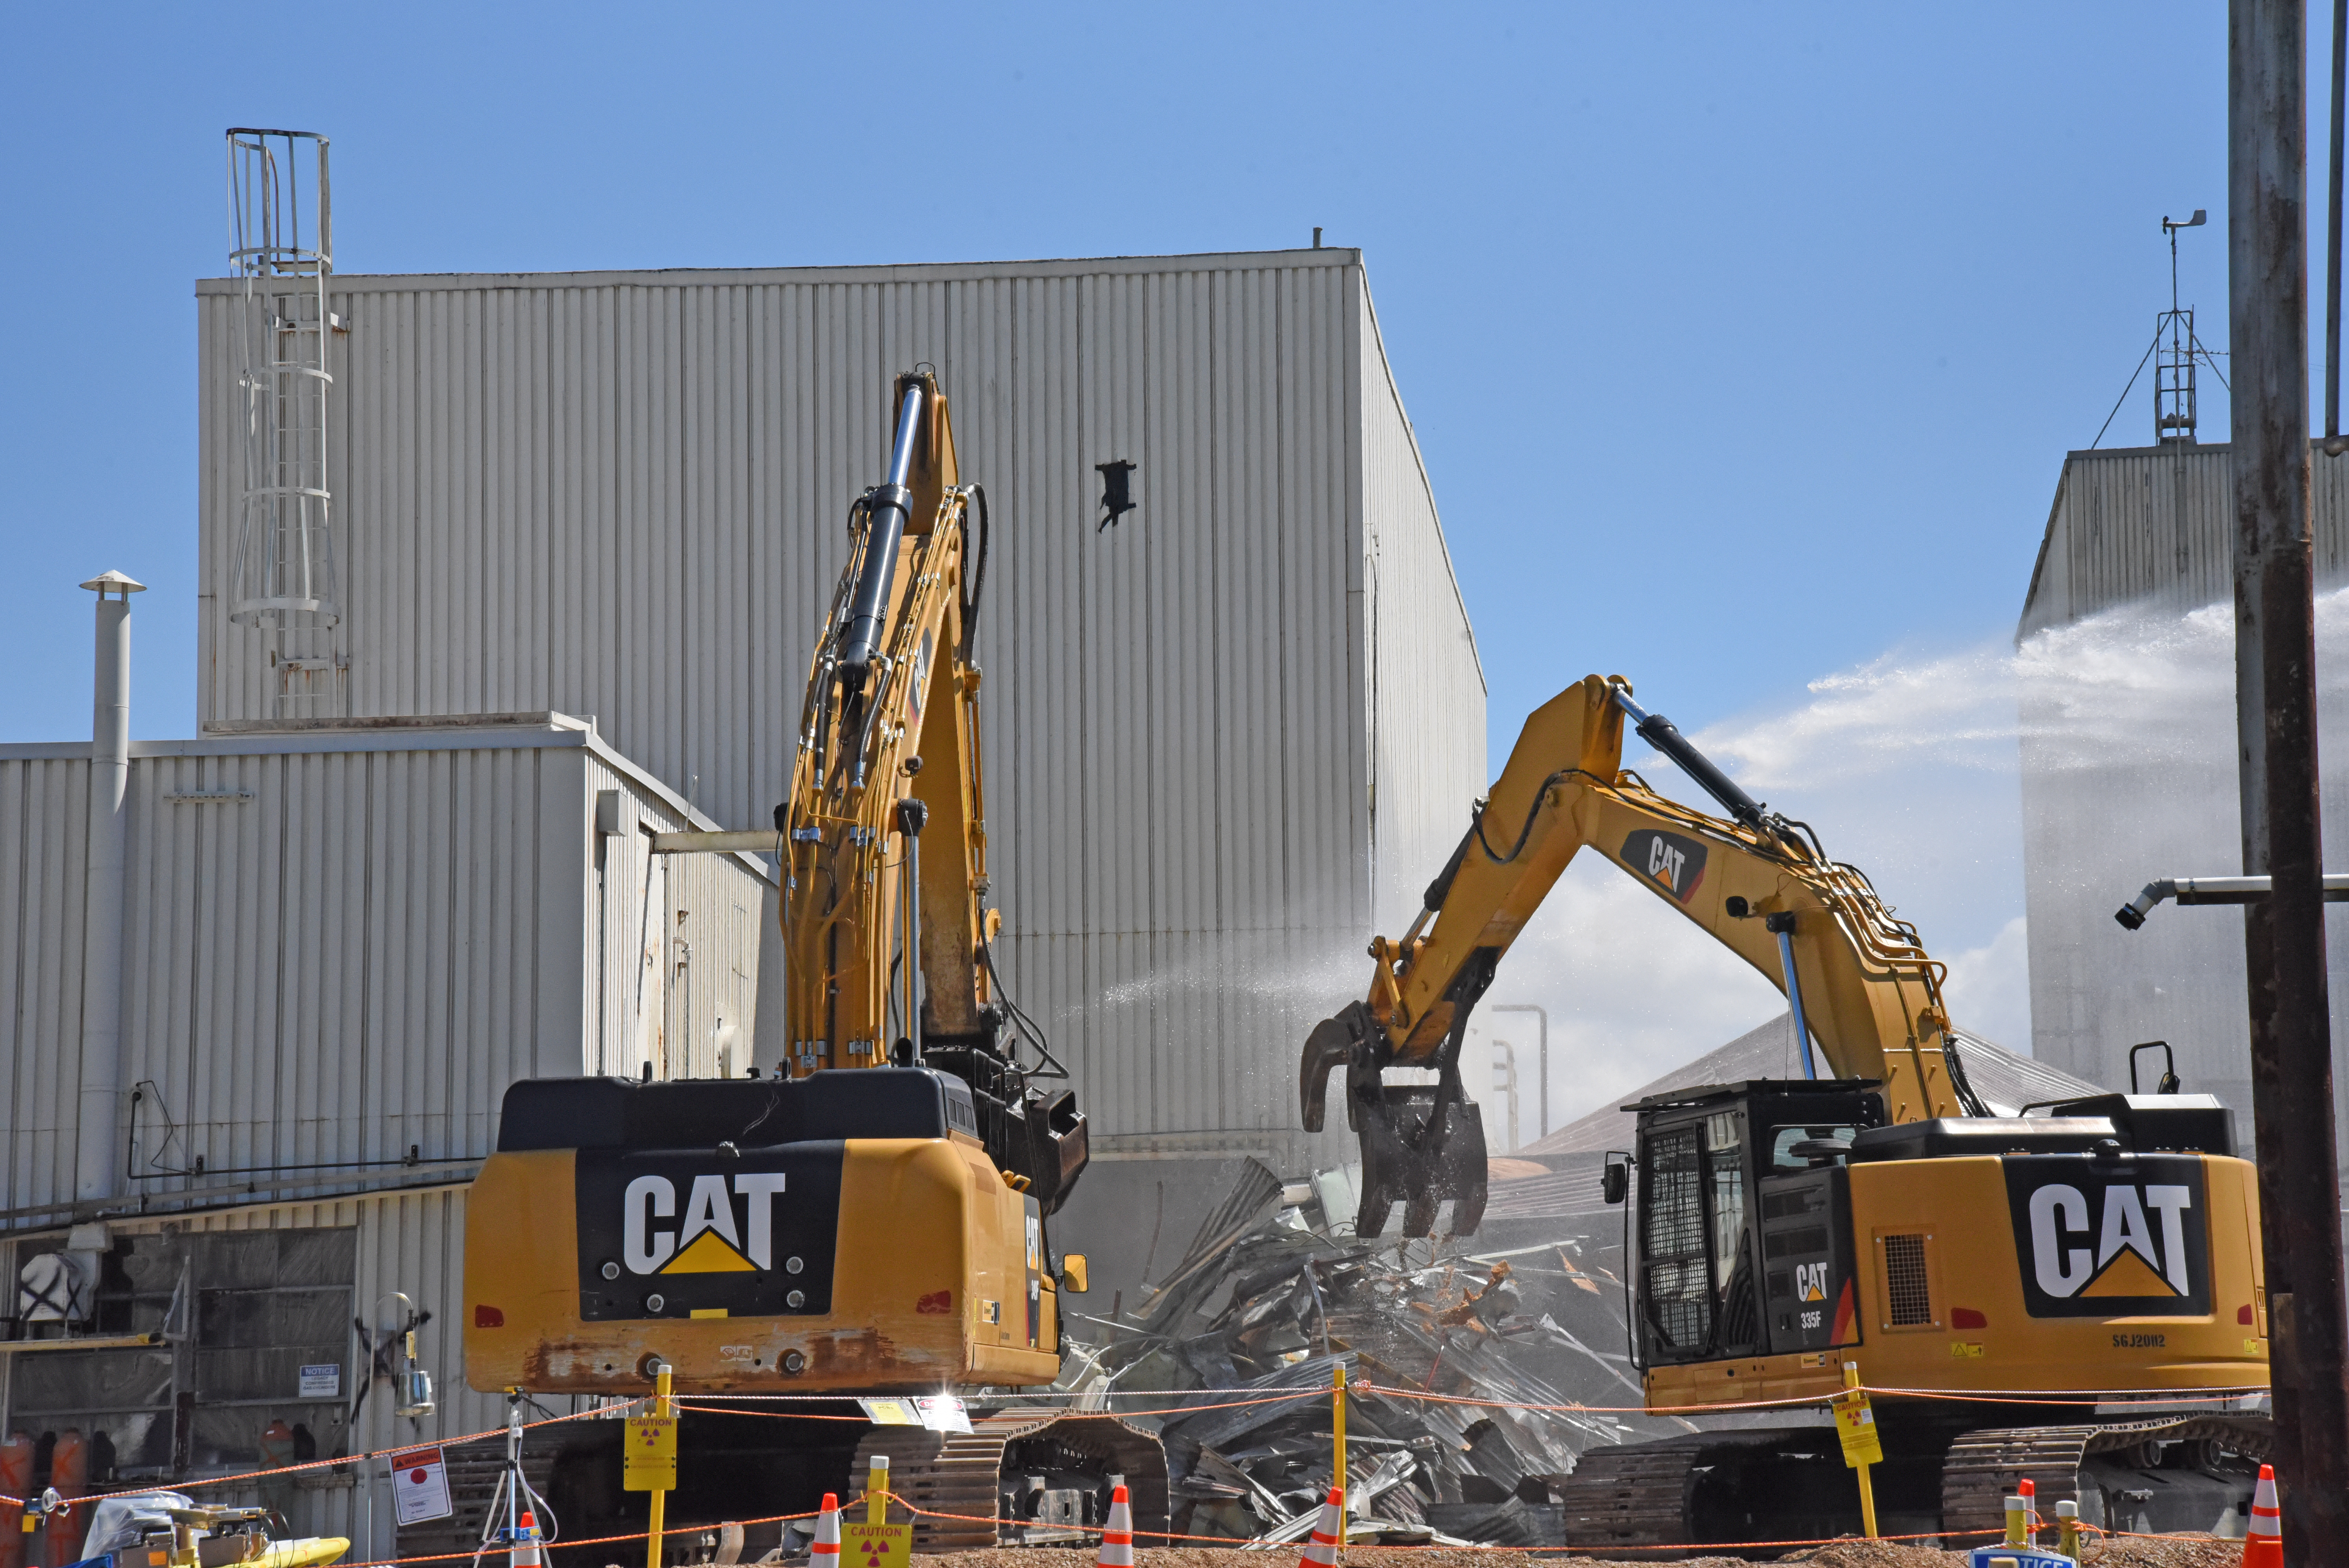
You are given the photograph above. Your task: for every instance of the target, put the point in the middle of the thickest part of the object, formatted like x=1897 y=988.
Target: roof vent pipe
x=95 y=1161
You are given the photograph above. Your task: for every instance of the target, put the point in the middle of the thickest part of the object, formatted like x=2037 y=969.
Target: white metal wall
x=2152 y=524
x=2128 y=768
x=623 y=494
x=1427 y=747
x=356 y=958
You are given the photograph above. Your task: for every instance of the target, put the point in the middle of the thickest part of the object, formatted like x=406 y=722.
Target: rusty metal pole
x=2275 y=695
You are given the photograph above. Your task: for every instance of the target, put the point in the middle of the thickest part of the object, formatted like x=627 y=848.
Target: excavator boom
x=1755 y=882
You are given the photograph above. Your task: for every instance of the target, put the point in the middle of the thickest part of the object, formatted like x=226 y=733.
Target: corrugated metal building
x=341 y=940
x=2127 y=645
x=1226 y=735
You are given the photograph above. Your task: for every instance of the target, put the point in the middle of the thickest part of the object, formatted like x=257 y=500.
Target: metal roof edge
x=450 y=734
x=868 y=273
x=2046 y=538
x=645 y=780
x=1411 y=434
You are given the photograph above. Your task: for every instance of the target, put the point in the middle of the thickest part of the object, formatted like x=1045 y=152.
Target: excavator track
x=1019 y=1476
x=2125 y=1491
x=1710 y=1490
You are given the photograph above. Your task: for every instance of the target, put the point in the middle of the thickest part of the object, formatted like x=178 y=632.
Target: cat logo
x=1674 y=863
x=709 y=1242
x=1811 y=1282
x=2110 y=1238
x=673 y=1232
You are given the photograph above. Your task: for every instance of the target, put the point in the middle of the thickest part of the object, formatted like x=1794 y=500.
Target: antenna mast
x=2175 y=352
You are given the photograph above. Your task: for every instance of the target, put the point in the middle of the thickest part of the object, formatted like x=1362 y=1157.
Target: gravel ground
x=2177 y=1552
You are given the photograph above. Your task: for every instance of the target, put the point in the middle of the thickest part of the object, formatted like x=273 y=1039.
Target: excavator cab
x=1743 y=1220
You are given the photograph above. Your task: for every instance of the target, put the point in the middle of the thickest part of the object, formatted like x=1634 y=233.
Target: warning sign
x=943 y=1414
x=1856 y=1425
x=876 y=1545
x=420 y=1485
x=651 y=1454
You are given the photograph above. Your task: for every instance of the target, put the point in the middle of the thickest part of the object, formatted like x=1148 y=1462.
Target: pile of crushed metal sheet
x=1275 y=1292
x=1514 y=1338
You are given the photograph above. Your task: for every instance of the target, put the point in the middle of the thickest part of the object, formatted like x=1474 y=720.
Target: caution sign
x=1856 y=1425
x=652 y=1454
x=420 y=1485
x=876 y=1545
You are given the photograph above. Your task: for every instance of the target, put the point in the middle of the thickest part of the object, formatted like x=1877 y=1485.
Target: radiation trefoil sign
x=876 y=1545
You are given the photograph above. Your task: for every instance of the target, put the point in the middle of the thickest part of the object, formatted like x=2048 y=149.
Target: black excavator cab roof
x=2129 y=1123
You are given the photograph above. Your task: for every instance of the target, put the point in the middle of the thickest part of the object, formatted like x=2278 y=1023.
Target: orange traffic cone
x=528 y=1549
x=1117 y=1540
x=1321 y=1546
x=825 y=1552
x=2263 y=1541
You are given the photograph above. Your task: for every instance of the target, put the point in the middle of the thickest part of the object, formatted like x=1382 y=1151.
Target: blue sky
x=1743 y=344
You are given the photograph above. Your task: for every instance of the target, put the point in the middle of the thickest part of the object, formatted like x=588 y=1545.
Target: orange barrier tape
x=7 y=1501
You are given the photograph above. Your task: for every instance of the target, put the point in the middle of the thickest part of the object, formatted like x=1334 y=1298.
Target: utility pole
x=2275 y=697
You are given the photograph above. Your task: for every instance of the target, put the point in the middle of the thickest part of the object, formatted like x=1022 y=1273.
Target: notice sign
x=1856 y=1425
x=651 y=1451
x=943 y=1414
x=876 y=1545
x=321 y=1383
x=420 y=1485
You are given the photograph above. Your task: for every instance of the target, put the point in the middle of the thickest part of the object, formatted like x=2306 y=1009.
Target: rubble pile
x=1276 y=1292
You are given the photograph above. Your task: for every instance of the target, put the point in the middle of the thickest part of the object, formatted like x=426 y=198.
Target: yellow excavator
x=866 y=1227
x=2075 y=1297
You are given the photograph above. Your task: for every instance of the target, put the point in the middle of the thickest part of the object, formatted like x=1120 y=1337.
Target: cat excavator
x=2075 y=1297
x=866 y=1228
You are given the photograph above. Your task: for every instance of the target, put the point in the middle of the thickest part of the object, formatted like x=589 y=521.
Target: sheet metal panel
x=358 y=958
x=623 y=494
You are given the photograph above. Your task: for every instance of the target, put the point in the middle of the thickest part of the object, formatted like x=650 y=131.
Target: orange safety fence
x=493 y=1549
x=8 y=1501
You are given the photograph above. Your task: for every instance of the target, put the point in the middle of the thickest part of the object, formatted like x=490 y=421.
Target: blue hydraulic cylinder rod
x=1782 y=925
x=888 y=508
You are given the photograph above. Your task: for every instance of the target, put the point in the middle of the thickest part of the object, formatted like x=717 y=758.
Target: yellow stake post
x=1338 y=1444
x=1856 y=1425
x=651 y=1459
x=664 y=1411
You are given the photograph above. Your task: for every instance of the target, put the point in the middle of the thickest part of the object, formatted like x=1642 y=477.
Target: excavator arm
x=889 y=937
x=1755 y=882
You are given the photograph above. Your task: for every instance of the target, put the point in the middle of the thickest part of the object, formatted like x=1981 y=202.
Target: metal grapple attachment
x=1421 y=1143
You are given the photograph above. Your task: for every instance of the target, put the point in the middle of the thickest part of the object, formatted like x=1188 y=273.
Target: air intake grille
x=1904 y=1281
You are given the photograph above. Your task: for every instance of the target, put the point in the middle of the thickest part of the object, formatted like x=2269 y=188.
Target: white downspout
x=98 y=1148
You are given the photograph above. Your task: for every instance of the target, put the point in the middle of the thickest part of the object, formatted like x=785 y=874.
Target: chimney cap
x=106 y=583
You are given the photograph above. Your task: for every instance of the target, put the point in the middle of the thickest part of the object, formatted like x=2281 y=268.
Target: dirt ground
x=2168 y=1551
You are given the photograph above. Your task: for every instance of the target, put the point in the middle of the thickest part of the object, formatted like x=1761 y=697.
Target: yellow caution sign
x=652 y=1454
x=876 y=1545
x=1856 y=1425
